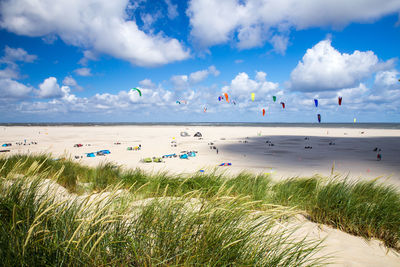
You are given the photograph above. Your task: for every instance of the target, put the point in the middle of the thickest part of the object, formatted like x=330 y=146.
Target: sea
x=217 y=124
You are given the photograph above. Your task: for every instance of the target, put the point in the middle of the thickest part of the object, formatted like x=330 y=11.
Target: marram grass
x=364 y=208
x=39 y=227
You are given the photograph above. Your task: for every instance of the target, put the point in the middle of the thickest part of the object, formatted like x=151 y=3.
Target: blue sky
x=76 y=61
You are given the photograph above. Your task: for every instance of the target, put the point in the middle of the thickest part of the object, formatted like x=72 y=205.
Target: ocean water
x=254 y=124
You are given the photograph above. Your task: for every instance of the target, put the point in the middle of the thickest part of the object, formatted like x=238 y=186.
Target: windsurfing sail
x=319 y=118
x=355 y=120
x=274 y=98
x=263 y=112
x=316 y=102
x=340 y=100
x=252 y=96
x=283 y=105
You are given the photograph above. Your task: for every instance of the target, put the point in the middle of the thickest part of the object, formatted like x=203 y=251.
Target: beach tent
x=105 y=151
x=183 y=156
x=198 y=134
x=184 y=134
x=90 y=155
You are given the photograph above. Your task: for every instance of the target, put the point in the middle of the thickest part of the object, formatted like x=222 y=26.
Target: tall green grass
x=364 y=208
x=40 y=228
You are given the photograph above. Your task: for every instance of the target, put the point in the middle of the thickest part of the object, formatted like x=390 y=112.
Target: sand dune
x=275 y=150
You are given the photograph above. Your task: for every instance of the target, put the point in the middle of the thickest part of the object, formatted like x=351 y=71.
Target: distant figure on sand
x=379 y=156
x=217 y=150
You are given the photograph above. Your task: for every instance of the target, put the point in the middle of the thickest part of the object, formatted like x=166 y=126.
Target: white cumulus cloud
x=252 y=22
x=98 y=25
x=83 y=72
x=324 y=68
x=13 y=89
x=242 y=86
x=17 y=54
x=201 y=75
x=49 y=89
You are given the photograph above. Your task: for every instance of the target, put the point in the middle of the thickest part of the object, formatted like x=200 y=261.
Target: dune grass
x=364 y=208
x=38 y=228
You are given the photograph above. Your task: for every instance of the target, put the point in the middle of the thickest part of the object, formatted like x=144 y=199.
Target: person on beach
x=217 y=150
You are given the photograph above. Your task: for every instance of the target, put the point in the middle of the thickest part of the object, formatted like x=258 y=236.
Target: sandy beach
x=281 y=151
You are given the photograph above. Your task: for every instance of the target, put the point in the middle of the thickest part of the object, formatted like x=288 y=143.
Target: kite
x=263 y=112
x=274 y=98
x=220 y=98
x=226 y=97
x=252 y=96
x=340 y=100
x=316 y=102
x=283 y=105
x=140 y=93
x=319 y=118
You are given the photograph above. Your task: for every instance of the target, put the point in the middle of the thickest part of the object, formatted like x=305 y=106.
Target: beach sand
x=247 y=149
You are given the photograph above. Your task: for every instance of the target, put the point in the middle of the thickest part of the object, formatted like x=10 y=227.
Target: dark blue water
x=313 y=125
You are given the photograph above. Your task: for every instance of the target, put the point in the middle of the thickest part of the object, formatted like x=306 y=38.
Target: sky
x=77 y=61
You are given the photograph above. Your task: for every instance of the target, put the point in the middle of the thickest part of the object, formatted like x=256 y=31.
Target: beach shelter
x=105 y=151
x=90 y=155
x=184 y=134
x=198 y=134
x=183 y=156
